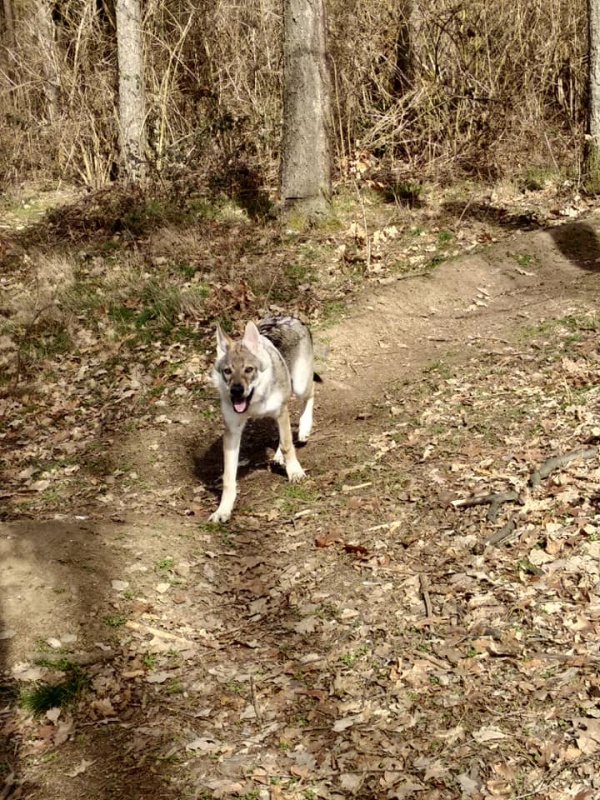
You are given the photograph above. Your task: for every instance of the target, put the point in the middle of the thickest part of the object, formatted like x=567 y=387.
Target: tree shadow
x=54 y=585
x=260 y=436
x=244 y=184
x=492 y=215
x=579 y=243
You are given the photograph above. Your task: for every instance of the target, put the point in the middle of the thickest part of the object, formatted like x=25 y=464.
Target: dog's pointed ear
x=223 y=342
x=251 y=338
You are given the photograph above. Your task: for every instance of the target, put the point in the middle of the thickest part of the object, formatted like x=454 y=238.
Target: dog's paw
x=295 y=474
x=220 y=515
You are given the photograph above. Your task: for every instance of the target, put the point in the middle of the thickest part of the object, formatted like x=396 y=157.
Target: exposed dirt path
x=470 y=301
x=342 y=638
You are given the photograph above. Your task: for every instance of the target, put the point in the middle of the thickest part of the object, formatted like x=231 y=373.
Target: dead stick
x=424 y=583
x=138 y=626
x=254 y=700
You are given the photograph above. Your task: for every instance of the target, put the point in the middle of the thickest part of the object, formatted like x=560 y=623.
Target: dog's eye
x=227 y=371
x=249 y=370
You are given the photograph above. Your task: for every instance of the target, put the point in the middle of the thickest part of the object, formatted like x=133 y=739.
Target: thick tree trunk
x=131 y=87
x=305 y=174
x=592 y=144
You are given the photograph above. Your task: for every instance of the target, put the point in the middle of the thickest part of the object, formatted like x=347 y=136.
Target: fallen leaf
x=80 y=768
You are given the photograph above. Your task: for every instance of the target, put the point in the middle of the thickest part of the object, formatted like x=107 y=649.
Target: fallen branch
x=495 y=501
x=556 y=462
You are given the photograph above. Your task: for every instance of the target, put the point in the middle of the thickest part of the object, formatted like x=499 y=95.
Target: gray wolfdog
x=256 y=376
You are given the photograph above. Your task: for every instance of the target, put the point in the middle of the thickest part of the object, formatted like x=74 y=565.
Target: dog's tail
x=317 y=378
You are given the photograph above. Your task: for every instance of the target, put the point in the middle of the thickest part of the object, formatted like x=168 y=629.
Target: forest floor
x=365 y=633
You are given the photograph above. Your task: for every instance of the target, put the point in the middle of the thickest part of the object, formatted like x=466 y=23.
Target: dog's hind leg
x=306 y=415
x=286 y=450
x=231 y=451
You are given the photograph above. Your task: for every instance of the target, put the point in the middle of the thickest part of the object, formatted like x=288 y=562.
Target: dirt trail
x=470 y=301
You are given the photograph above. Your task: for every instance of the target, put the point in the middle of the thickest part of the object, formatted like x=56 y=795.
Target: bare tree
x=131 y=87
x=305 y=171
x=592 y=139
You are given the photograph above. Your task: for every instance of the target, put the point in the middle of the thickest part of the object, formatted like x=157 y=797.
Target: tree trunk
x=404 y=72
x=305 y=174
x=131 y=88
x=8 y=25
x=44 y=28
x=592 y=143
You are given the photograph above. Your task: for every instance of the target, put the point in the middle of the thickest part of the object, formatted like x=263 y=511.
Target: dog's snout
x=236 y=390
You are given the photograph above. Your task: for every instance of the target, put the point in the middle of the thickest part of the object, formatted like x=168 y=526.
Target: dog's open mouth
x=240 y=404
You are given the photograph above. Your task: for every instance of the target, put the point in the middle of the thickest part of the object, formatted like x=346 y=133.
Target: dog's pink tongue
x=240 y=405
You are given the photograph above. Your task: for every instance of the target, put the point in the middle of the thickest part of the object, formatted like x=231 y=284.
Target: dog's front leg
x=294 y=471
x=231 y=452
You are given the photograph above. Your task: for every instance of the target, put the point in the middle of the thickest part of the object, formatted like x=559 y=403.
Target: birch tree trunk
x=305 y=170
x=592 y=143
x=131 y=87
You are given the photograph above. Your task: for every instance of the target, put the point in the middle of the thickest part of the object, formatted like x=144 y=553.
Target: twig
x=424 y=584
x=254 y=700
x=138 y=626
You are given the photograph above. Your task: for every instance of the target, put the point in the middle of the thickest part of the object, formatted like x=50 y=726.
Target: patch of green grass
x=536 y=178
x=333 y=311
x=524 y=259
x=174 y=686
x=444 y=237
x=349 y=659
x=42 y=697
x=114 y=620
x=61 y=664
x=440 y=368
x=435 y=261
x=163 y=564
x=297 y=491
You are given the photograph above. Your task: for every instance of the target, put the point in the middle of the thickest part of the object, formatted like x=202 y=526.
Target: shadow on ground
x=579 y=242
x=492 y=215
x=55 y=585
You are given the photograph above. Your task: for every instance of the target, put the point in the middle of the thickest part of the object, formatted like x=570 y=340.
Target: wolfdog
x=256 y=376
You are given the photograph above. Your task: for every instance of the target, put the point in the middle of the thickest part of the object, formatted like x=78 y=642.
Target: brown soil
x=349 y=637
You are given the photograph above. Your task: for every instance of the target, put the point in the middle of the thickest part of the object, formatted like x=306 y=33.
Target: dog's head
x=238 y=366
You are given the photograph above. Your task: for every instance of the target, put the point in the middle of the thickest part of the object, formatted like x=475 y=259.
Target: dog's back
x=293 y=340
